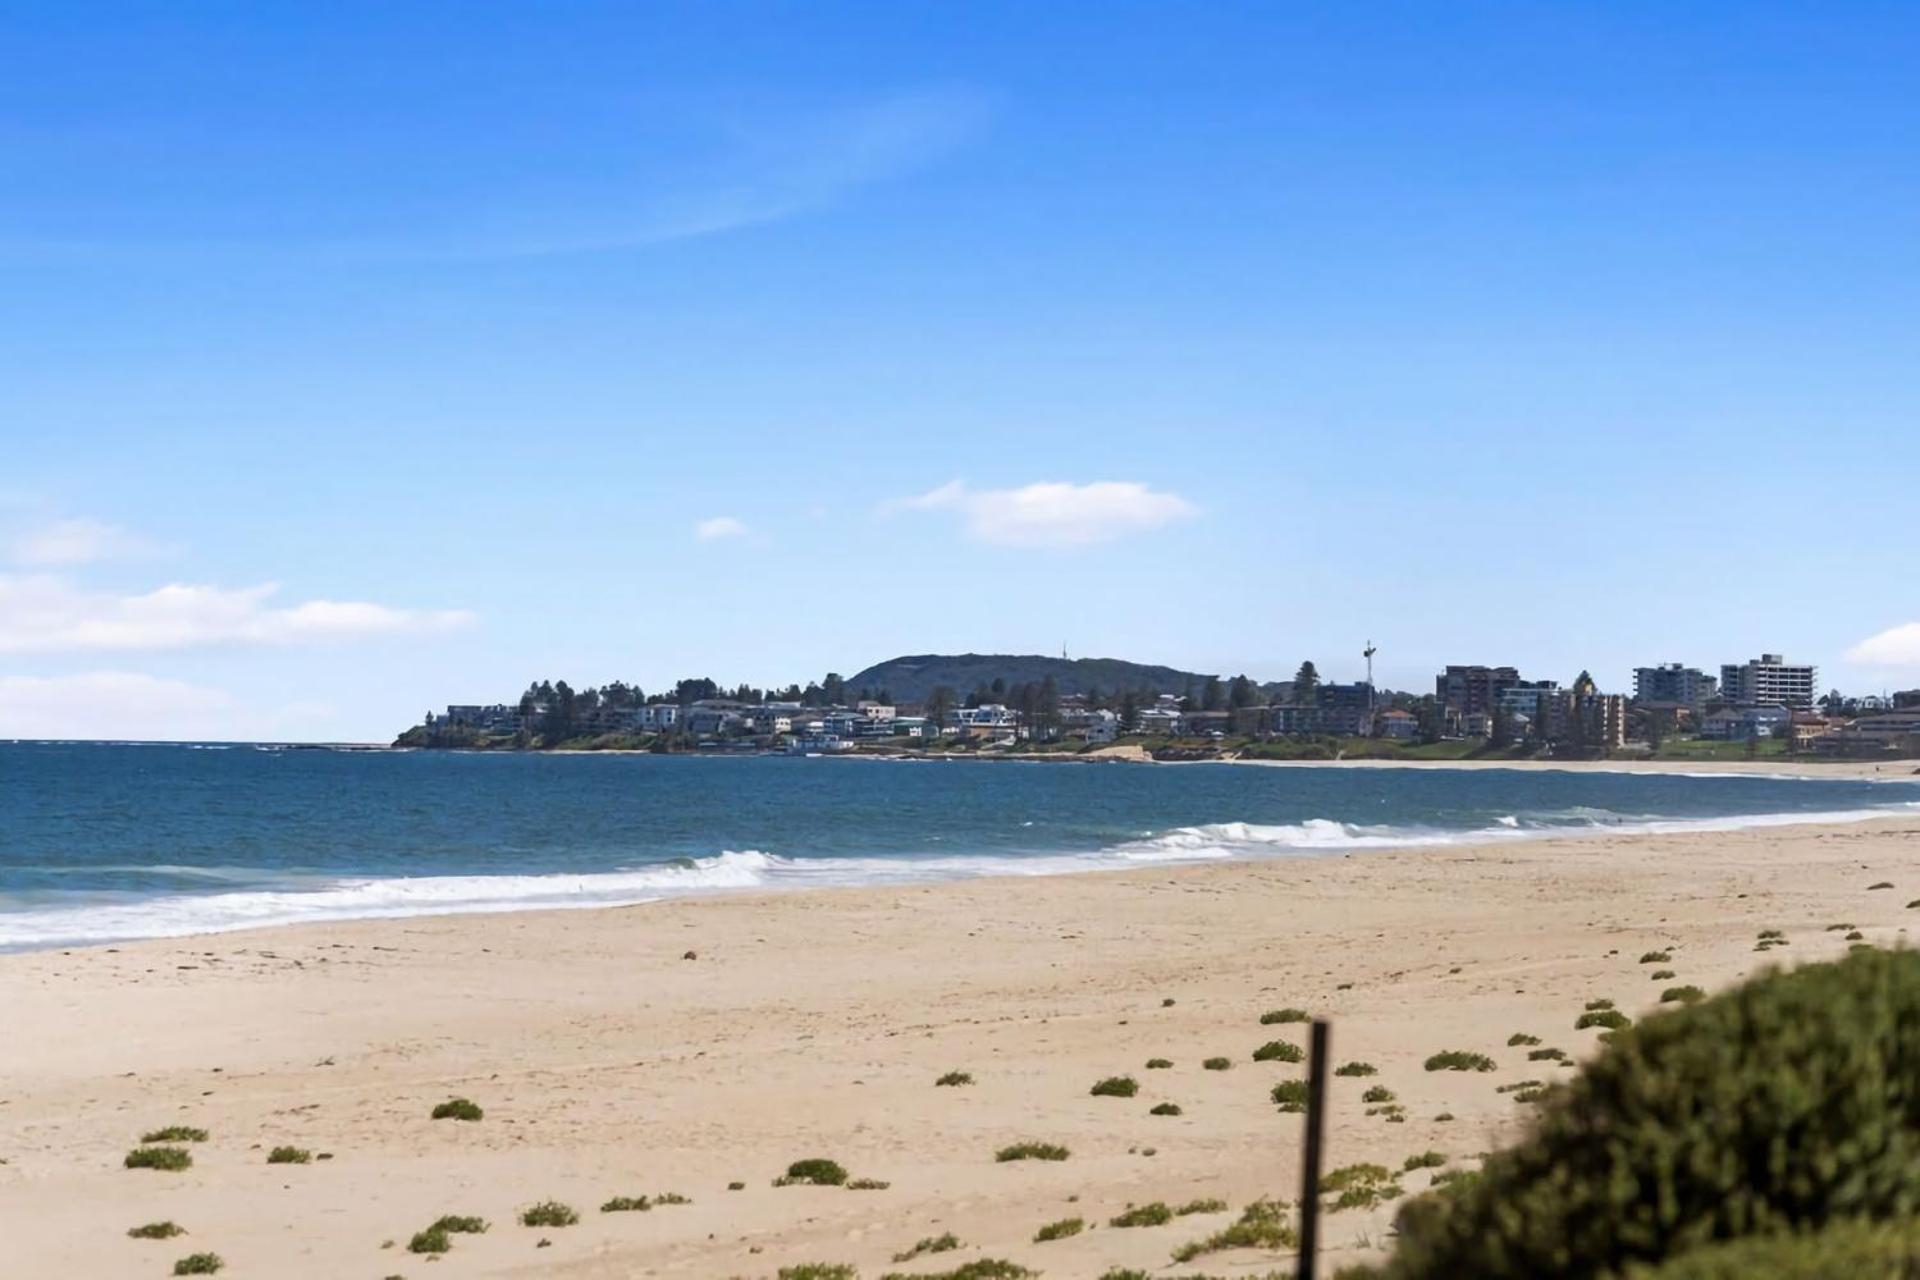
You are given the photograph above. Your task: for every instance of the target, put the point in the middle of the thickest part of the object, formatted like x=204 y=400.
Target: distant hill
x=911 y=679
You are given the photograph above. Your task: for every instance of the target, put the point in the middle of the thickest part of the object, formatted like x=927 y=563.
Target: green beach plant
x=457 y=1109
x=953 y=1079
x=548 y=1213
x=1290 y=1095
x=175 y=1133
x=431 y=1240
x=931 y=1244
x=1611 y=1019
x=1274 y=1017
x=1158 y=1064
x=1519 y=1038
x=170 y=1159
x=156 y=1231
x=815 y=1172
x=1115 y=1087
x=1377 y=1093
x=199 y=1264
x=1031 y=1151
x=1165 y=1109
x=289 y=1155
x=1356 y=1069
x=1261 y=1225
x=1279 y=1051
x=1217 y=1064
x=1459 y=1060
x=1156 y=1214
x=1056 y=1230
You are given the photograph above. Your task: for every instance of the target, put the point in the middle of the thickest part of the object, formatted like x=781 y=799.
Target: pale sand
x=814 y=1024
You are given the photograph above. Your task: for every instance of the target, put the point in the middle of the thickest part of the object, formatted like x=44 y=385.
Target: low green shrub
x=868 y=1184
x=1279 y=1051
x=1209 y=1205
x=1660 y=975
x=1547 y=1055
x=930 y=1244
x=1602 y=1003
x=1116 y=1087
x=1261 y=1225
x=1165 y=1109
x=1780 y=1106
x=1519 y=1038
x=1059 y=1230
x=157 y=1231
x=1459 y=1060
x=171 y=1159
x=1031 y=1151
x=978 y=1269
x=627 y=1204
x=1377 y=1093
x=953 y=1079
x=460 y=1224
x=1843 y=1251
x=199 y=1264
x=1611 y=1019
x=1274 y=1017
x=1356 y=1069
x=1682 y=995
x=457 y=1109
x=1290 y=1095
x=1654 y=957
x=1425 y=1160
x=548 y=1213
x=432 y=1240
x=289 y=1155
x=175 y=1133
x=1217 y=1064
x=1156 y=1214
x=816 y=1172
x=820 y=1271
x=1158 y=1064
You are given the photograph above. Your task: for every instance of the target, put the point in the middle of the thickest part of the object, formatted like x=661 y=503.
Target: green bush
x=548 y=1213
x=1779 y=1106
x=627 y=1204
x=1459 y=1060
x=1217 y=1064
x=1116 y=1087
x=289 y=1155
x=1290 y=1095
x=1682 y=995
x=1208 y=1205
x=457 y=1109
x=432 y=1240
x=1660 y=975
x=1611 y=1019
x=1655 y=957
x=1844 y=1251
x=1377 y=1093
x=978 y=1269
x=1546 y=1055
x=175 y=1133
x=1356 y=1069
x=462 y=1224
x=198 y=1264
x=1060 y=1230
x=1278 y=1051
x=156 y=1231
x=172 y=1159
x=1273 y=1017
x=1165 y=1109
x=820 y=1271
x=1156 y=1214
x=1031 y=1151
x=1425 y=1160
x=1262 y=1225
x=954 y=1079
x=819 y=1173
x=1158 y=1064
x=1519 y=1038
x=930 y=1244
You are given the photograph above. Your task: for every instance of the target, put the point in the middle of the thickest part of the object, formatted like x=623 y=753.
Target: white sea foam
x=406 y=896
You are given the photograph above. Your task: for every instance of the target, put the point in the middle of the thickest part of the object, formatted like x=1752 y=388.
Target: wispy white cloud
x=716 y=527
x=134 y=705
x=63 y=544
x=1053 y=514
x=42 y=613
x=1894 y=647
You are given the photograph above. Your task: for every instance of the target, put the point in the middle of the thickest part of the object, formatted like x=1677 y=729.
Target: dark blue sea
x=100 y=842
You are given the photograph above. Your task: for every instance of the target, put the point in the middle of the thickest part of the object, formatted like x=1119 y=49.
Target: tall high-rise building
x=1768 y=681
x=1674 y=685
x=1471 y=690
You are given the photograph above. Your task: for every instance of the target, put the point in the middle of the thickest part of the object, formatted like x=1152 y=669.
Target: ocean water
x=102 y=842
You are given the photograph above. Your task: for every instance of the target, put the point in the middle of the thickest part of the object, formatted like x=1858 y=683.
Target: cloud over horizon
x=44 y=613
x=1894 y=647
x=1053 y=514
x=65 y=544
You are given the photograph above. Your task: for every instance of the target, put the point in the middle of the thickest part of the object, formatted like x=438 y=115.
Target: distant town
x=1758 y=707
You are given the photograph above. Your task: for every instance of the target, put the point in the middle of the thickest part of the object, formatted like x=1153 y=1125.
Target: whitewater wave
x=182 y=915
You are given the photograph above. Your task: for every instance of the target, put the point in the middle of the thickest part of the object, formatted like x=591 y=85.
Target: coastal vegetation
x=1217 y=1064
x=813 y=1172
x=1158 y=1064
x=175 y=1133
x=199 y=1264
x=1290 y=1095
x=156 y=1231
x=548 y=1213
x=1059 y=1230
x=457 y=1109
x=170 y=1159
x=1031 y=1151
x=1115 y=1087
x=1276 y=1016
x=1459 y=1060
x=1278 y=1051
x=1625 y=1171
x=289 y=1155
x=953 y=1079
x=1165 y=1109
x=945 y=1243
x=1261 y=1225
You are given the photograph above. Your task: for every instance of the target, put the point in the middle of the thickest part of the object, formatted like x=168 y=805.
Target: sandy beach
x=686 y=1046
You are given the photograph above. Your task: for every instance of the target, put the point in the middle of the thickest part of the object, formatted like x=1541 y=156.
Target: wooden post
x=1310 y=1160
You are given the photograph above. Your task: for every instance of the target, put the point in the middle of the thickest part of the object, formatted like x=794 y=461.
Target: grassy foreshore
x=684 y=1047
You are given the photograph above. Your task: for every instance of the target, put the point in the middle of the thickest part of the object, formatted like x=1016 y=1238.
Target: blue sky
x=358 y=358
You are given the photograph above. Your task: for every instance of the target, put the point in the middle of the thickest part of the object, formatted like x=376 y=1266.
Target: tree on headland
x=1129 y=711
x=940 y=704
x=1211 y=696
x=1241 y=693
x=1306 y=685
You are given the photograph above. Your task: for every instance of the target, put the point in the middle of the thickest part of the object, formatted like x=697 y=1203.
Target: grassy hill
x=911 y=679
